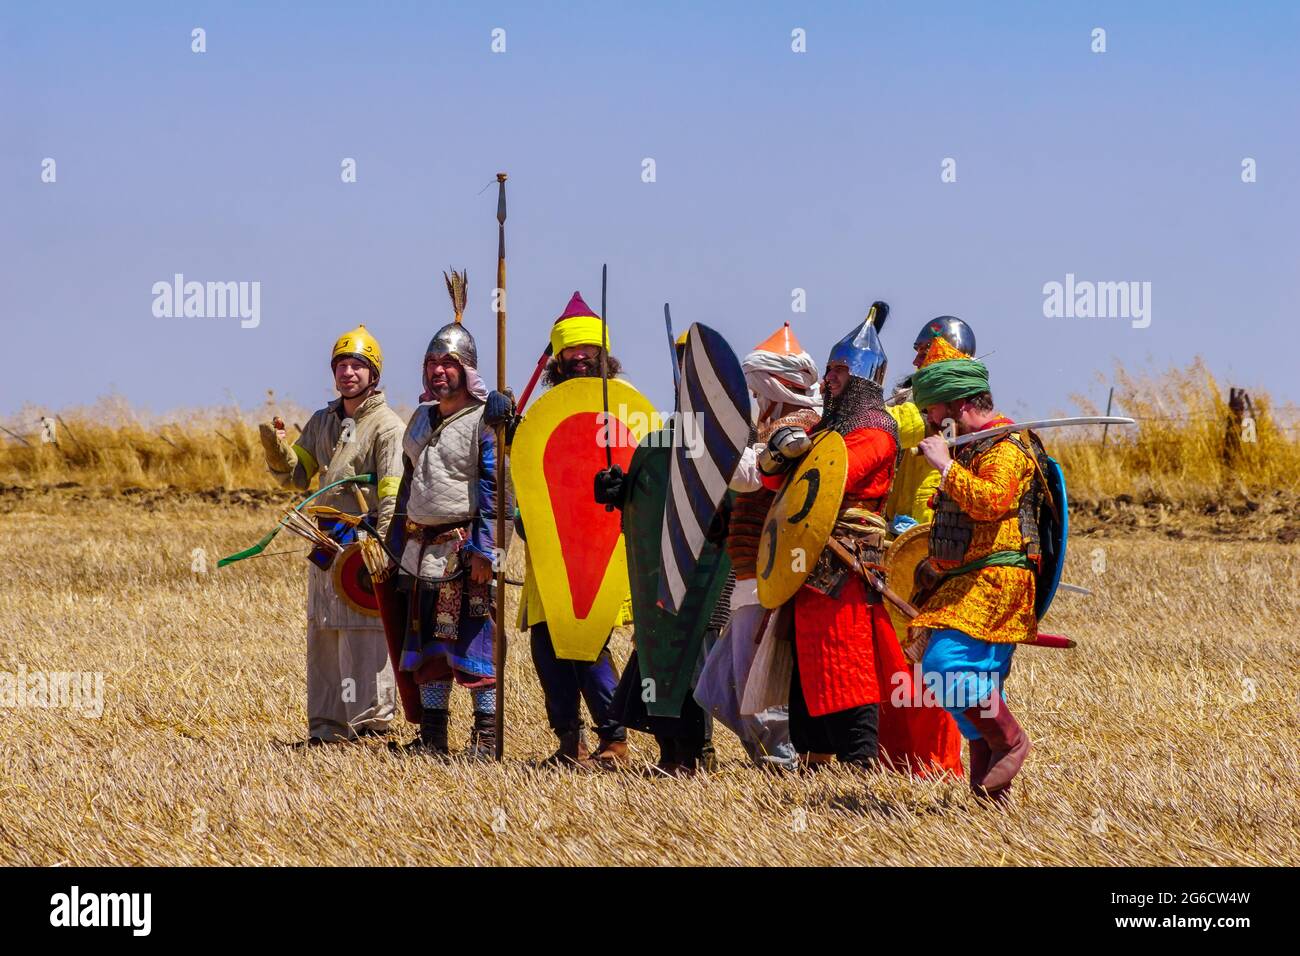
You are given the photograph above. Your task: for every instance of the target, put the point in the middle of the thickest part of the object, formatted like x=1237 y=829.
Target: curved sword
x=1040 y=423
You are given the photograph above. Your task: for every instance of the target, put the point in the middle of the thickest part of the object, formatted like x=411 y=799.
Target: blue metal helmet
x=861 y=350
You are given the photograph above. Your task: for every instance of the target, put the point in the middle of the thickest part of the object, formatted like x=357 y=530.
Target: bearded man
x=448 y=542
x=979 y=576
x=576 y=352
x=850 y=690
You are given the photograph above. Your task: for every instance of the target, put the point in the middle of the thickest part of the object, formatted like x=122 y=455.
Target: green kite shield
x=800 y=519
x=667 y=645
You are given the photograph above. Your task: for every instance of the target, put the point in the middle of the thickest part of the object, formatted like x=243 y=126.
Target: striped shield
x=711 y=430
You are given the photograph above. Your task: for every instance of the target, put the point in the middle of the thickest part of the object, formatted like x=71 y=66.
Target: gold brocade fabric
x=994 y=604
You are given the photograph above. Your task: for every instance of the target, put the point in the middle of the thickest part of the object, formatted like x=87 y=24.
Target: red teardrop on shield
x=588 y=533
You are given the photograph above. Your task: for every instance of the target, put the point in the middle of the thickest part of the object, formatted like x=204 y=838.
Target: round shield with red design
x=352 y=581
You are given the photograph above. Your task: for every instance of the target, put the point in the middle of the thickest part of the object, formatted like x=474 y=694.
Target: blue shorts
x=961 y=671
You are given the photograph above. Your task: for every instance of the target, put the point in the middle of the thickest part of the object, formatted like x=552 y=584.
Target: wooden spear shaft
x=499 y=557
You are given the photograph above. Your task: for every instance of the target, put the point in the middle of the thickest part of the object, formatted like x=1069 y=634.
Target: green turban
x=949 y=381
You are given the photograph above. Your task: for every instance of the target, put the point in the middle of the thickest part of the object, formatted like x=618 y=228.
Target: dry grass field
x=1167 y=737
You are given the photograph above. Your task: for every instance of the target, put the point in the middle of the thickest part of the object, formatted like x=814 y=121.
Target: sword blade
x=604 y=370
x=1040 y=423
x=672 y=349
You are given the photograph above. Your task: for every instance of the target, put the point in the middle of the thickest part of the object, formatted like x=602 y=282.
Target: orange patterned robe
x=994 y=604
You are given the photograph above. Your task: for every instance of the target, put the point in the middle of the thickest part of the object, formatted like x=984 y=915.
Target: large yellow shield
x=800 y=520
x=575 y=546
x=902 y=556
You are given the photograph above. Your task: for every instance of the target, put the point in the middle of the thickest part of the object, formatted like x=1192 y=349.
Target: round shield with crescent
x=800 y=520
x=902 y=556
x=352 y=581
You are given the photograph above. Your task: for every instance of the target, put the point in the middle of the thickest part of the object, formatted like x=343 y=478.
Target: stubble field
x=1167 y=737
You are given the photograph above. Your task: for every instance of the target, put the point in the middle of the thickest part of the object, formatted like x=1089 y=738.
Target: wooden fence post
x=1241 y=423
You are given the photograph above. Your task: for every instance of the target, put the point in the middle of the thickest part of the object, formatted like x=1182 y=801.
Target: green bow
x=258 y=548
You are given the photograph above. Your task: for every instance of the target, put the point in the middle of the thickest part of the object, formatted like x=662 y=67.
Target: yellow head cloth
x=575 y=330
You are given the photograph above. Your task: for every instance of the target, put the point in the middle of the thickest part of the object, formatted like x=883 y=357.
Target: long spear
x=498 y=607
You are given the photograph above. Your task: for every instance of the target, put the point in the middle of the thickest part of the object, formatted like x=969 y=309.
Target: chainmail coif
x=860 y=405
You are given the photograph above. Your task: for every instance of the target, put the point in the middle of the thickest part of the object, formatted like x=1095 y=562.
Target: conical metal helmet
x=956 y=332
x=861 y=350
x=454 y=339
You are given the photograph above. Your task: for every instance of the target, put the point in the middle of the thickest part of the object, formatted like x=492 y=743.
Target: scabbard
x=1050 y=640
x=886 y=592
x=393 y=612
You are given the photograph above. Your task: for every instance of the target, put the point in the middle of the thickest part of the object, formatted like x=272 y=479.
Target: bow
x=258 y=548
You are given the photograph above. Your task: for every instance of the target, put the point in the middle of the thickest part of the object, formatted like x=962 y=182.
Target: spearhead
x=501 y=198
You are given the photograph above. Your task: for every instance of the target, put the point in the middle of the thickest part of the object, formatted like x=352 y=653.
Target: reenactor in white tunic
x=350 y=689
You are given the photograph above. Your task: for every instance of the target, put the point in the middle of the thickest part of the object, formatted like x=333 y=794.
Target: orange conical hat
x=782 y=342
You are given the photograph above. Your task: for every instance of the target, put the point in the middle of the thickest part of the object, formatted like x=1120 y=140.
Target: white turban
x=783 y=379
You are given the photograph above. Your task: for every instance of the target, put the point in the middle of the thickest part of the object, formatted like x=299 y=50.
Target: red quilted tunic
x=835 y=637
x=848 y=654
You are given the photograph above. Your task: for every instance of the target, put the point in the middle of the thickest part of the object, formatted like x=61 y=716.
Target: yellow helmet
x=681 y=339
x=359 y=343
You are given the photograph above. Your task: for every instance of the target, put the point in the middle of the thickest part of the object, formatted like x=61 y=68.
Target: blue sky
x=774 y=170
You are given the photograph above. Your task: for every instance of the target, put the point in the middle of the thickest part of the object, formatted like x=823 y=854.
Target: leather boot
x=814 y=762
x=433 y=735
x=695 y=757
x=666 y=765
x=572 y=751
x=1007 y=741
x=979 y=763
x=611 y=755
x=708 y=758
x=688 y=758
x=483 y=738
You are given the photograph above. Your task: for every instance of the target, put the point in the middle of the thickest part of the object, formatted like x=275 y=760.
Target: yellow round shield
x=902 y=556
x=576 y=558
x=800 y=520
